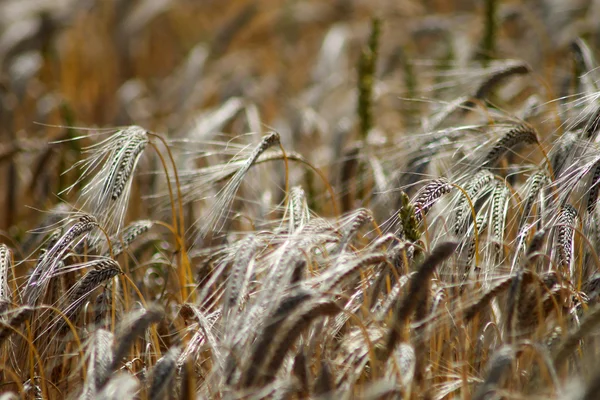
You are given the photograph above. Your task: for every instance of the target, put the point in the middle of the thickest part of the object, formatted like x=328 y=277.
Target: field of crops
x=299 y=199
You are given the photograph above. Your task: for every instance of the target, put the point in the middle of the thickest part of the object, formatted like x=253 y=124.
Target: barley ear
x=414 y=294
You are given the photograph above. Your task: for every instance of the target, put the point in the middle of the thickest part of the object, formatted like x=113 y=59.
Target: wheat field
x=299 y=199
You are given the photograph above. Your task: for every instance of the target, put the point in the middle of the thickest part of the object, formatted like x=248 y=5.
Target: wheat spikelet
x=566 y=219
x=324 y=384
x=536 y=244
x=102 y=308
x=521 y=134
x=497 y=77
x=409 y=227
x=498 y=217
x=569 y=344
x=33 y=388
x=293 y=327
x=273 y=323
x=392 y=298
x=405 y=359
x=535 y=183
x=429 y=195
x=562 y=151
x=414 y=294
x=104 y=270
x=470 y=312
x=334 y=280
x=299 y=212
x=517 y=291
x=358 y=219
x=300 y=370
x=225 y=197
x=130 y=329
x=474 y=189
x=482 y=223
x=129 y=234
x=21 y=315
x=100 y=359
x=163 y=374
x=120 y=386
x=51 y=259
x=499 y=364
x=531 y=312
x=241 y=270
x=124 y=162
x=106 y=194
x=593 y=192
x=84 y=224
x=5 y=264
x=584 y=63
